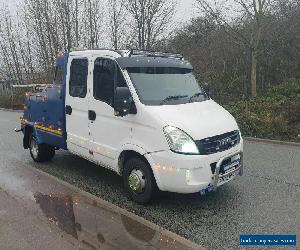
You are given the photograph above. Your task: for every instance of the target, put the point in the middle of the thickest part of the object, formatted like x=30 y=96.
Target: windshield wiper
x=173 y=97
x=197 y=95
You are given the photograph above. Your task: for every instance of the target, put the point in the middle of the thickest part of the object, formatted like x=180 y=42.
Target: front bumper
x=220 y=179
x=193 y=173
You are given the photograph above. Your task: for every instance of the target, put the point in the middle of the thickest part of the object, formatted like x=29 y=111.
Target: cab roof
x=146 y=61
x=138 y=58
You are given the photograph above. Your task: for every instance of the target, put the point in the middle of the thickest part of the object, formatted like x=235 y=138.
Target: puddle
x=59 y=210
x=96 y=227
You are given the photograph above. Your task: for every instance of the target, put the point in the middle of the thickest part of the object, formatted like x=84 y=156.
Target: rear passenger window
x=78 y=78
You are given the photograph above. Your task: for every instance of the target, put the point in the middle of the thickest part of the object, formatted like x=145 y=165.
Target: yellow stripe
x=50 y=130
x=23 y=121
x=40 y=127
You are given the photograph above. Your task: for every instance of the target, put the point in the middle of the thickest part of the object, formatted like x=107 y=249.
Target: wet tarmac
x=266 y=200
x=75 y=218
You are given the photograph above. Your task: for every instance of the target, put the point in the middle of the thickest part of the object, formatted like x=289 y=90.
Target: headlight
x=179 y=141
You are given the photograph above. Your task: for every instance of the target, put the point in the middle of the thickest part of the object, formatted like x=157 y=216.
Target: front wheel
x=138 y=180
x=40 y=152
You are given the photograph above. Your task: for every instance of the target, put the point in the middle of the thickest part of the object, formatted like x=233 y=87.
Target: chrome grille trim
x=218 y=143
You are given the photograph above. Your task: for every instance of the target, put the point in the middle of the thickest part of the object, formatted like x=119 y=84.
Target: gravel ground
x=265 y=200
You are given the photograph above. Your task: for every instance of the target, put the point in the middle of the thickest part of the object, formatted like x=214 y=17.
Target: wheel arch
x=134 y=150
x=126 y=155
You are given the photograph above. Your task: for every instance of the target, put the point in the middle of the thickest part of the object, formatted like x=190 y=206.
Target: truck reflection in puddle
x=98 y=227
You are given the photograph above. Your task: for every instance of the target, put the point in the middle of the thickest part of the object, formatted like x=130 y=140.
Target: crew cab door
x=108 y=132
x=77 y=102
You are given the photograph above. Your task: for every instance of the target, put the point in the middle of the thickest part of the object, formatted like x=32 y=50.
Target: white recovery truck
x=141 y=114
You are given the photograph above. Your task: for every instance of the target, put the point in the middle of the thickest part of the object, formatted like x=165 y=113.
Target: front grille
x=218 y=143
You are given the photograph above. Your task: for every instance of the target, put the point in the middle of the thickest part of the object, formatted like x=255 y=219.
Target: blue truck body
x=44 y=111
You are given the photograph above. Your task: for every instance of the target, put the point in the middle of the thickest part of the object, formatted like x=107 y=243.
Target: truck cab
x=141 y=114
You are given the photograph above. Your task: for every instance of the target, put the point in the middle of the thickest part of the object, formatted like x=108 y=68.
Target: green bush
x=274 y=116
x=5 y=101
x=18 y=102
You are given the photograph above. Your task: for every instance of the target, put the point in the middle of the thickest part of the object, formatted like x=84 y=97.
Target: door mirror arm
x=133 y=110
x=206 y=88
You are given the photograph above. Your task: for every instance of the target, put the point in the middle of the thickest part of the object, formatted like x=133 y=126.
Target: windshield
x=166 y=86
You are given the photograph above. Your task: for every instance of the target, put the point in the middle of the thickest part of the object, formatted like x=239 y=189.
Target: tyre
x=139 y=180
x=40 y=152
x=50 y=152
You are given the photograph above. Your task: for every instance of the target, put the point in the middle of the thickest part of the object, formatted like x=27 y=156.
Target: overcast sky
x=184 y=12
x=185 y=9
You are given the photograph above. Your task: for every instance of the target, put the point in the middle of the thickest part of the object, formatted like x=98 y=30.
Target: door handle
x=92 y=115
x=68 y=110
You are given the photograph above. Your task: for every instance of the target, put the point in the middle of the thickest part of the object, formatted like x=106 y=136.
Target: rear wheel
x=138 y=180
x=40 y=152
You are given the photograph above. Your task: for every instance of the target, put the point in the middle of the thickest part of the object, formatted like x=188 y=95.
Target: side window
x=78 y=78
x=59 y=75
x=107 y=76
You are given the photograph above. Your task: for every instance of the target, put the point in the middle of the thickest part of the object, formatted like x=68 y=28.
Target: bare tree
x=151 y=20
x=91 y=23
x=16 y=58
x=39 y=21
x=254 y=11
x=117 y=16
x=9 y=47
x=76 y=22
x=64 y=8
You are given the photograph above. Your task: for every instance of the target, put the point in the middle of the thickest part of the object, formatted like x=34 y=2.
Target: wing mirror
x=123 y=101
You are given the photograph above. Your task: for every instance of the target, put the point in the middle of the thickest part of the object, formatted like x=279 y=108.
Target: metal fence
x=14 y=95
